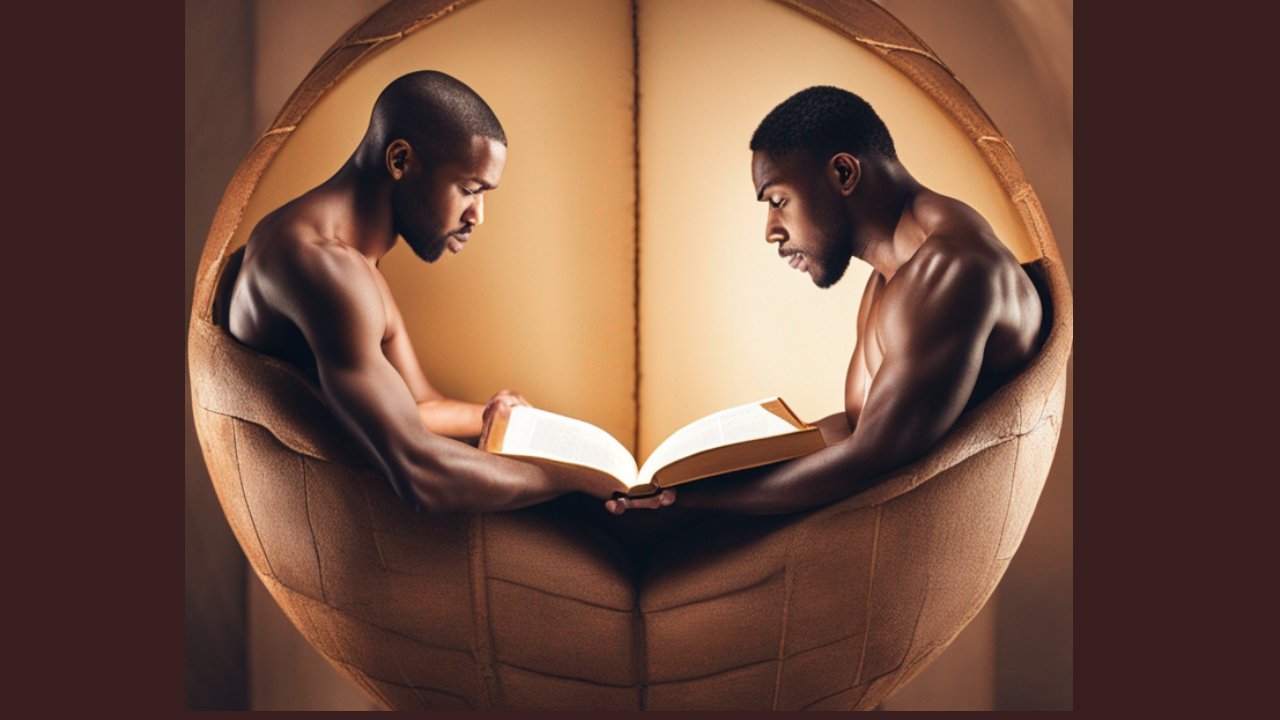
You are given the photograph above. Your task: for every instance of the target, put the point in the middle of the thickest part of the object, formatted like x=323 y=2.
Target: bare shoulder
x=292 y=269
x=962 y=275
x=964 y=286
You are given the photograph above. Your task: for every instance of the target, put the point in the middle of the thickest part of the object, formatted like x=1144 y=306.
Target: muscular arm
x=934 y=326
x=333 y=299
x=439 y=414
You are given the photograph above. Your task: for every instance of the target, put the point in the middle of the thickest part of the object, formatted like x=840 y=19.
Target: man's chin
x=427 y=252
x=825 y=279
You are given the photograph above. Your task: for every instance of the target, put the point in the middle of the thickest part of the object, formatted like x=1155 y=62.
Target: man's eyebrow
x=483 y=185
x=765 y=186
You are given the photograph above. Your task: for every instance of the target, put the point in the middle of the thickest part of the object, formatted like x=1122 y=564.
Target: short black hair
x=824 y=121
x=435 y=112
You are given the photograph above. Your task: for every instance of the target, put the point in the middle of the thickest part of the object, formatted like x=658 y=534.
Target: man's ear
x=845 y=171
x=399 y=157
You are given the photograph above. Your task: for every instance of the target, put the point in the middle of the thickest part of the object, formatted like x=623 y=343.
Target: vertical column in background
x=218 y=132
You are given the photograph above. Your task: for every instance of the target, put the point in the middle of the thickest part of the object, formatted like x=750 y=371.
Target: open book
x=742 y=437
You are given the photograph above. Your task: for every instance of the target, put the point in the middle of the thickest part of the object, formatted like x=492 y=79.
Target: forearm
x=452 y=418
x=452 y=477
x=808 y=482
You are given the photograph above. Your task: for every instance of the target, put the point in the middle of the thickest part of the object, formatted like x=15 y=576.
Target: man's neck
x=359 y=205
x=889 y=233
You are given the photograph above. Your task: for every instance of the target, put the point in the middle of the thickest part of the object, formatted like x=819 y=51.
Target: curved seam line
x=815 y=648
x=301 y=451
x=716 y=673
x=1013 y=489
x=428 y=19
x=482 y=622
x=370 y=41
x=866 y=41
x=1049 y=392
x=401 y=685
x=315 y=544
x=838 y=692
x=999 y=139
x=915 y=628
x=743 y=589
x=788 y=580
x=235 y=446
x=566 y=597
x=871 y=579
x=357 y=618
x=373 y=528
x=563 y=677
x=903 y=48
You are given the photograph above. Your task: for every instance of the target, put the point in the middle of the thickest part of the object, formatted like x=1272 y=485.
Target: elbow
x=431 y=493
x=425 y=487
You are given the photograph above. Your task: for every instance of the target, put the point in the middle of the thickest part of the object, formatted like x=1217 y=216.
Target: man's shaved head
x=437 y=114
x=823 y=121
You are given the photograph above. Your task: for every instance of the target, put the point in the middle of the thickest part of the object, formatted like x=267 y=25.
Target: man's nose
x=475 y=214
x=775 y=234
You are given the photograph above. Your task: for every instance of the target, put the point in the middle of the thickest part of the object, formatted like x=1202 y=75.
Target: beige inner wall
x=723 y=321
x=541 y=300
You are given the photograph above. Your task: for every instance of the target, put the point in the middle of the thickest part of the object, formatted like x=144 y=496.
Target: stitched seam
x=373 y=531
x=315 y=542
x=788 y=581
x=747 y=588
x=415 y=688
x=828 y=644
x=928 y=586
x=357 y=618
x=558 y=595
x=902 y=48
x=483 y=646
x=235 y=446
x=866 y=633
x=1013 y=486
x=714 y=674
x=300 y=451
x=635 y=142
x=828 y=697
x=562 y=677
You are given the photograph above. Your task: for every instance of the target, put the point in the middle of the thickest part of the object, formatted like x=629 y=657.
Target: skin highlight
x=309 y=292
x=947 y=317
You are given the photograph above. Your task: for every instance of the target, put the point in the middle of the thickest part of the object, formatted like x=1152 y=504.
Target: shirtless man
x=309 y=292
x=947 y=317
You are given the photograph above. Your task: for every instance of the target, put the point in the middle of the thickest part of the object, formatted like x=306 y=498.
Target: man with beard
x=947 y=317
x=309 y=292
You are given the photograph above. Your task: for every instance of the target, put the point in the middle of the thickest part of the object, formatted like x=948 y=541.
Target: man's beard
x=833 y=261
x=428 y=248
x=424 y=245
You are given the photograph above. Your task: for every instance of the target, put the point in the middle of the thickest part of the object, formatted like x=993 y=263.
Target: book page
x=538 y=433
x=735 y=425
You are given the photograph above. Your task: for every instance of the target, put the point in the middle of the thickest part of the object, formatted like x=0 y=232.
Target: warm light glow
x=723 y=319
x=541 y=300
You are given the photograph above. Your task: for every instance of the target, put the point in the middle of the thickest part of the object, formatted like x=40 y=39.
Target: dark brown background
x=243 y=58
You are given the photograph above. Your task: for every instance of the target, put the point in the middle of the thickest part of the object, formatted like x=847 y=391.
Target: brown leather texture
x=538 y=609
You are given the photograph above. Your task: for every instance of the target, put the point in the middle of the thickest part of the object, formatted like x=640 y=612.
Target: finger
x=617 y=506
x=646 y=503
x=668 y=497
